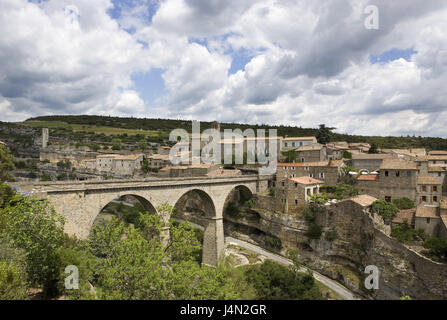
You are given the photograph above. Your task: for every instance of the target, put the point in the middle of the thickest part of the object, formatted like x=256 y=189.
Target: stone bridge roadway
x=81 y=202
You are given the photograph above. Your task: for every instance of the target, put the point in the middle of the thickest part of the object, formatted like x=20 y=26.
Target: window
x=435 y=199
x=424 y=199
x=321 y=175
x=286 y=144
x=293 y=144
x=302 y=160
x=435 y=188
x=428 y=220
x=439 y=174
x=387 y=198
x=397 y=173
x=296 y=185
x=408 y=173
x=296 y=201
x=301 y=144
x=311 y=175
x=424 y=188
x=386 y=173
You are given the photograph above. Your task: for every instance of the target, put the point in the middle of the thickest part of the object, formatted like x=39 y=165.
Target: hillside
x=158 y=130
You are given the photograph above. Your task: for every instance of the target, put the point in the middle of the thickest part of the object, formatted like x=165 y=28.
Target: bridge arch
x=115 y=207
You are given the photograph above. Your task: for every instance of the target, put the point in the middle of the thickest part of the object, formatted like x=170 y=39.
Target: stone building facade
x=292 y=194
x=327 y=171
x=311 y=153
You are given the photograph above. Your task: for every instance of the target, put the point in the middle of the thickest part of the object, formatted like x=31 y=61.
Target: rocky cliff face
x=362 y=240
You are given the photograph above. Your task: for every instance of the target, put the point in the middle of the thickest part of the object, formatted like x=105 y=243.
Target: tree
x=6 y=163
x=35 y=227
x=116 y=144
x=373 y=148
x=386 y=209
x=324 y=134
x=145 y=166
x=437 y=246
x=142 y=144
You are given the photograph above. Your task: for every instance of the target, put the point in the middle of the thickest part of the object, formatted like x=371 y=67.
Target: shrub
x=273 y=242
x=404 y=203
x=404 y=233
x=309 y=214
x=314 y=231
x=386 y=209
x=437 y=246
x=330 y=235
x=271 y=191
x=13 y=285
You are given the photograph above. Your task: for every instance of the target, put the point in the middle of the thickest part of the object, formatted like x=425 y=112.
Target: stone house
x=158 y=161
x=292 y=194
x=327 y=171
x=428 y=219
x=311 y=153
x=429 y=189
x=289 y=143
x=118 y=164
x=397 y=179
x=249 y=145
x=370 y=162
x=198 y=170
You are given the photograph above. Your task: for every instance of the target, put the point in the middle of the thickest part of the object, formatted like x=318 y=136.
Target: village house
x=158 y=161
x=430 y=190
x=407 y=154
x=116 y=163
x=310 y=153
x=369 y=162
x=292 y=194
x=197 y=170
x=397 y=179
x=428 y=219
x=327 y=171
x=289 y=143
x=249 y=145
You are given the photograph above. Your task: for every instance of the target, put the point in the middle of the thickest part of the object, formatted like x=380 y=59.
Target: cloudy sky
x=293 y=62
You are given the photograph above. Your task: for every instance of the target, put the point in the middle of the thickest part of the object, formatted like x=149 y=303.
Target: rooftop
x=368 y=177
x=428 y=180
x=333 y=163
x=441 y=157
x=370 y=156
x=405 y=215
x=299 y=139
x=437 y=152
x=397 y=164
x=364 y=200
x=306 y=180
x=311 y=147
x=423 y=211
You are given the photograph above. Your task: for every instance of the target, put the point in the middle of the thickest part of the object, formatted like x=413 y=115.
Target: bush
x=271 y=191
x=437 y=246
x=273 y=242
x=404 y=233
x=314 y=231
x=273 y=281
x=309 y=214
x=386 y=209
x=13 y=285
x=404 y=203
x=330 y=235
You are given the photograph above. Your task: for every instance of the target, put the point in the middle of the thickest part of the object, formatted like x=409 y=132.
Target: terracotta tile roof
x=436 y=169
x=311 y=147
x=423 y=211
x=131 y=157
x=407 y=214
x=306 y=180
x=164 y=157
x=333 y=163
x=428 y=180
x=364 y=200
x=300 y=139
x=420 y=158
x=370 y=156
x=397 y=164
x=368 y=177
x=437 y=157
x=437 y=152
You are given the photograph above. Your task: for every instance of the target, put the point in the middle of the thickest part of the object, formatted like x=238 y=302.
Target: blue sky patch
x=391 y=55
x=149 y=85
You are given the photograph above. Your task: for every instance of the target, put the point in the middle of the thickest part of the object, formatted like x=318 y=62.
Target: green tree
x=386 y=209
x=13 y=284
x=404 y=203
x=324 y=134
x=373 y=148
x=145 y=166
x=35 y=227
x=142 y=144
x=6 y=163
x=116 y=144
x=437 y=246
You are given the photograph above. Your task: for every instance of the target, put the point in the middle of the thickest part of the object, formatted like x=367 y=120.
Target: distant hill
x=167 y=125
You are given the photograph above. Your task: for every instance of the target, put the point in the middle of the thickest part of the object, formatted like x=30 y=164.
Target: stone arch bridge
x=81 y=202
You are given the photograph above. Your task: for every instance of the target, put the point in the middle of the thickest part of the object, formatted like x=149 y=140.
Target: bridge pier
x=213 y=242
